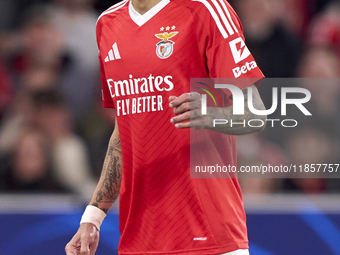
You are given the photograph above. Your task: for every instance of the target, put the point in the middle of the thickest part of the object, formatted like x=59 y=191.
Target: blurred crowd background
x=54 y=131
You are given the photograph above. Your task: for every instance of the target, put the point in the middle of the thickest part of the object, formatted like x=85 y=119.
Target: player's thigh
x=238 y=252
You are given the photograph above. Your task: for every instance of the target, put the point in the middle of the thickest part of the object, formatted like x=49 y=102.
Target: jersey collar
x=139 y=19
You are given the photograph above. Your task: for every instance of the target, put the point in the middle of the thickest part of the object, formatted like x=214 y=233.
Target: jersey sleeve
x=227 y=55
x=106 y=96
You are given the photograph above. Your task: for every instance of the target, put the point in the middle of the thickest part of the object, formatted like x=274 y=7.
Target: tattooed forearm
x=111 y=174
x=240 y=122
x=105 y=210
x=107 y=190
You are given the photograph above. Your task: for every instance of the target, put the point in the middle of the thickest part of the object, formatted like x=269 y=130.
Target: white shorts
x=237 y=252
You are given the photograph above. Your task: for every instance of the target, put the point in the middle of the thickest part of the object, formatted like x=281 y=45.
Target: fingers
x=73 y=246
x=171 y=98
x=71 y=249
x=185 y=102
x=186 y=97
x=196 y=124
x=189 y=119
x=85 y=246
x=187 y=108
x=183 y=125
x=187 y=115
x=182 y=108
x=84 y=242
x=94 y=244
x=180 y=118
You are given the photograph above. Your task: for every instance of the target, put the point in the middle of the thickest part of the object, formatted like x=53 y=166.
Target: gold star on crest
x=173 y=28
x=162 y=29
x=167 y=28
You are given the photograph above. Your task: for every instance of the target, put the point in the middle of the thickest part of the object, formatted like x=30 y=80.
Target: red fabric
x=162 y=209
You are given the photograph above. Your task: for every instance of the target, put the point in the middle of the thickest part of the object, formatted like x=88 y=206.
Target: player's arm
x=187 y=109
x=85 y=241
x=107 y=190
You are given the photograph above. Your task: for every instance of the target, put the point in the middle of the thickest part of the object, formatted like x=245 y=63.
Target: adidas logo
x=113 y=53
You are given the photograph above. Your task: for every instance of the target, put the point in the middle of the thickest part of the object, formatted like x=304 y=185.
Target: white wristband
x=93 y=215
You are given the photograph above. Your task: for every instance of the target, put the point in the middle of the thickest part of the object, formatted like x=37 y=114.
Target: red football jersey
x=145 y=59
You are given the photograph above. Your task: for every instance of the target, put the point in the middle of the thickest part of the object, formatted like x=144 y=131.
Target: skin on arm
x=85 y=241
x=107 y=190
x=187 y=109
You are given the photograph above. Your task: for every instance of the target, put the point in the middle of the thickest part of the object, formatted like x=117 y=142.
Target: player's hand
x=85 y=241
x=187 y=108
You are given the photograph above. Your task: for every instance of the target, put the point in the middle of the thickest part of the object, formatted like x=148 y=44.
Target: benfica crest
x=165 y=47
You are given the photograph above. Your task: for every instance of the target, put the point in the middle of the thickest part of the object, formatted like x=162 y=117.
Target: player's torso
x=146 y=64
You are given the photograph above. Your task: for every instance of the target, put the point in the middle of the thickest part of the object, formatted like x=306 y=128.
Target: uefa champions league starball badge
x=165 y=47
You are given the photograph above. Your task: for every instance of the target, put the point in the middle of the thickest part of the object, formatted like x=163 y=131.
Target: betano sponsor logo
x=239 y=50
x=238 y=71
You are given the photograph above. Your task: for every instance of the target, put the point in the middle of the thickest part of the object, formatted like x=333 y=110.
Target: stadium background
x=54 y=132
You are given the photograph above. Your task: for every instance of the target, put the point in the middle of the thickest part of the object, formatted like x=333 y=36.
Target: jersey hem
x=208 y=251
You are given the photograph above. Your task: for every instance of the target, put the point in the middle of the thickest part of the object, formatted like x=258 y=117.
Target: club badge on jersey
x=166 y=47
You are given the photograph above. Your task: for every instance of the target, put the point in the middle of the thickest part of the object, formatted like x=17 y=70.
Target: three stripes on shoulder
x=222 y=16
x=113 y=53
